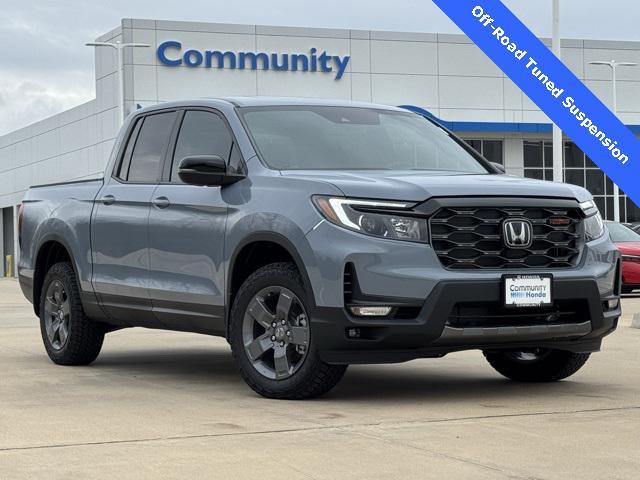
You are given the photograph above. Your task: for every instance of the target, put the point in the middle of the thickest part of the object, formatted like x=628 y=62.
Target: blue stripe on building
x=494 y=127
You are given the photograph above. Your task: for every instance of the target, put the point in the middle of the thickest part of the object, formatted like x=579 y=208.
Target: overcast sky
x=45 y=68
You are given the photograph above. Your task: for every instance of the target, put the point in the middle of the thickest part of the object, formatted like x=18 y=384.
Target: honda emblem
x=518 y=233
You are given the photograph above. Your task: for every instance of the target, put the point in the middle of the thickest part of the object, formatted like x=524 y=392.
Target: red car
x=628 y=242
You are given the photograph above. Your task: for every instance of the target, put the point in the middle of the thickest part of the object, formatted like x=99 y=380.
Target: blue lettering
x=341 y=64
x=312 y=62
x=324 y=60
x=280 y=66
x=295 y=59
x=193 y=58
x=219 y=57
x=162 y=48
x=253 y=58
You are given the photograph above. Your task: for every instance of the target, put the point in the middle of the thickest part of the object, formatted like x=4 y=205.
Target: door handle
x=108 y=200
x=161 y=202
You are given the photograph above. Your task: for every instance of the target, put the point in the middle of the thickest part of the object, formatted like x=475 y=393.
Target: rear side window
x=201 y=133
x=146 y=158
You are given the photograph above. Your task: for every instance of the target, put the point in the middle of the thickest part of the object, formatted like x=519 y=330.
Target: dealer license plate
x=527 y=290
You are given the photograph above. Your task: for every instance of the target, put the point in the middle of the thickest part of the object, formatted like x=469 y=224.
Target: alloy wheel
x=57 y=310
x=275 y=332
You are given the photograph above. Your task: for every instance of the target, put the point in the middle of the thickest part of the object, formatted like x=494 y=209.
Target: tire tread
x=85 y=336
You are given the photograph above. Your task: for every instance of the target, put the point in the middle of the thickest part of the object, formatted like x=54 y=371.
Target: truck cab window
x=236 y=164
x=201 y=133
x=150 y=145
x=123 y=170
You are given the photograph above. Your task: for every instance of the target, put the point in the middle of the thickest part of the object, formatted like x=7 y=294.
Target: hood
x=629 y=248
x=417 y=186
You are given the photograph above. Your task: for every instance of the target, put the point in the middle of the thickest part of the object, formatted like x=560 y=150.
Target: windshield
x=349 y=138
x=620 y=233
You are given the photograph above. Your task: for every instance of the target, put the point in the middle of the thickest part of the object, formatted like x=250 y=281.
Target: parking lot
x=170 y=405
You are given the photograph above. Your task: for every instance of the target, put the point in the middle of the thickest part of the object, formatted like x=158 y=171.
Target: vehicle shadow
x=418 y=381
x=433 y=384
x=188 y=364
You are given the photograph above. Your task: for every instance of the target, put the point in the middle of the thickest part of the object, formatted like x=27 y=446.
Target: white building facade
x=444 y=75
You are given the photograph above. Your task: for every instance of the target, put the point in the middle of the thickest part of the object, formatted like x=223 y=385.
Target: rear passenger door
x=119 y=227
x=187 y=228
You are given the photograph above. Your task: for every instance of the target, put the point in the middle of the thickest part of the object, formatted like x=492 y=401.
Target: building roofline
x=329 y=32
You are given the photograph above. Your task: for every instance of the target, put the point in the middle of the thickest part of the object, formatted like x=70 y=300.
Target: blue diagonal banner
x=552 y=87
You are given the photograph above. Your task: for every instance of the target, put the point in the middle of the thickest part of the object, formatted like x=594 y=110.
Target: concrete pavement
x=170 y=405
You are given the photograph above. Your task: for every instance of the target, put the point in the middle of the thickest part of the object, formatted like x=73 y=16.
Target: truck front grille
x=472 y=238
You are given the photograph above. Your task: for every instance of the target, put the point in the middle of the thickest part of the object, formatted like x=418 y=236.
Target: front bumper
x=406 y=273
x=431 y=335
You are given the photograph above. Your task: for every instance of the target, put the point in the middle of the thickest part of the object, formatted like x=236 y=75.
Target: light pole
x=119 y=47
x=614 y=79
x=558 y=162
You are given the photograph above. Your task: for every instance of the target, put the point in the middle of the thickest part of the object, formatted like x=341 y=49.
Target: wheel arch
x=247 y=246
x=51 y=250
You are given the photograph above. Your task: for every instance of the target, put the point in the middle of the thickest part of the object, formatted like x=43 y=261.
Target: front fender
x=274 y=228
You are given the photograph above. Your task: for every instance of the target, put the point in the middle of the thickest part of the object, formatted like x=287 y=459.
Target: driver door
x=186 y=232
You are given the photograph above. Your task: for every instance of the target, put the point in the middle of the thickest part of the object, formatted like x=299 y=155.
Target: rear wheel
x=271 y=337
x=69 y=337
x=537 y=364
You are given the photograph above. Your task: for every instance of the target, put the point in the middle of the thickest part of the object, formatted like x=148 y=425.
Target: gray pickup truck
x=313 y=235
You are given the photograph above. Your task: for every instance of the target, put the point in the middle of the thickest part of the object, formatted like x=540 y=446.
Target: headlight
x=368 y=217
x=593 y=225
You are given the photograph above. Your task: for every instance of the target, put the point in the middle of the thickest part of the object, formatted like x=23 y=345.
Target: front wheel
x=537 y=364
x=272 y=340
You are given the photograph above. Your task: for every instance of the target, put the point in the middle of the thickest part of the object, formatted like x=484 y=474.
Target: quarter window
x=123 y=171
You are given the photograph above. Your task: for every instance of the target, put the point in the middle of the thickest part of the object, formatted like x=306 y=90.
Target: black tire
x=626 y=289
x=313 y=377
x=550 y=366
x=83 y=340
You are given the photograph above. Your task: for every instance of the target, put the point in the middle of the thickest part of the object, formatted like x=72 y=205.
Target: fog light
x=371 y=311
x=611 y=304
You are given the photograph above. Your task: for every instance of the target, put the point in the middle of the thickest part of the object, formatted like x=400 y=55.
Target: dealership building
x=442 y=75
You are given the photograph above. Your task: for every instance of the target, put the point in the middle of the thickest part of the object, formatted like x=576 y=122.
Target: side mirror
x=499 y=166
x=202 y=170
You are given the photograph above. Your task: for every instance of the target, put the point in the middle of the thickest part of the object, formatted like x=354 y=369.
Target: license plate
x=527 y=290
